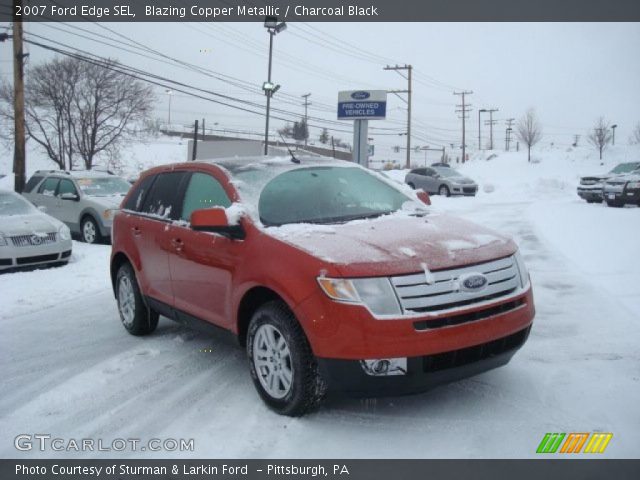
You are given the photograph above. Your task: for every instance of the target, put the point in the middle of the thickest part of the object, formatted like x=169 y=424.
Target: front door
x=202 y=264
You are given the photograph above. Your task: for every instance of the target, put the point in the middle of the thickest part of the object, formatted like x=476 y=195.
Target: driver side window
x=66 y=186
x=203 y=191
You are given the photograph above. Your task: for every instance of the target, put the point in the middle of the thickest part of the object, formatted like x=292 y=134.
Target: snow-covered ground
x=69 y=368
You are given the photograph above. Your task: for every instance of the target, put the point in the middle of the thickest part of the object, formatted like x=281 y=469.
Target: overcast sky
x=571 y=73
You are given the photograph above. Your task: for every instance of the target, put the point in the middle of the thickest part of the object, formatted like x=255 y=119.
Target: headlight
x=109 y=213
x=64 y=233
x=633 y=185
x=375 y=293
x=524 y=273
x=3 y=240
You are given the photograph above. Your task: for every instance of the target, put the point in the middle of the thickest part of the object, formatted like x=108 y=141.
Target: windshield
x=625 y=167
x=326 y=195
x=11 y=204
x=447 y=172
x=104 y=186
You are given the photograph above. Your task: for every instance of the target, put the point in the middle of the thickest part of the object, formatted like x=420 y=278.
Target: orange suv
x=331 y=276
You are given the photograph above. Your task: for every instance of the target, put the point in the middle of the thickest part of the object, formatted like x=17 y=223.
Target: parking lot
x=69 y=369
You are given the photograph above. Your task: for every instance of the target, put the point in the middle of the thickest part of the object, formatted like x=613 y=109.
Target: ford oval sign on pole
x=362 y=106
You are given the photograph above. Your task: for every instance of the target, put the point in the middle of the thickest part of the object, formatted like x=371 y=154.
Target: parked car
x=85 y=200
x=29 y=237
x=441 y=180
x=623 y=189
x=330 y=276
x=590 y=188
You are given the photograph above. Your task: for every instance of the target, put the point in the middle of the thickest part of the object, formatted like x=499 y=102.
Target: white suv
x=85 y=200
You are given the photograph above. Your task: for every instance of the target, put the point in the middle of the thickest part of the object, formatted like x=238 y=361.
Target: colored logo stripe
x=550 y=443
x=574 y=442
x=598 y=442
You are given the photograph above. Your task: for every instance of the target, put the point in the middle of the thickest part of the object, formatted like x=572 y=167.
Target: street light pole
x=269 y=93
x=479 y=129
x=613 y=128
x=169 y=92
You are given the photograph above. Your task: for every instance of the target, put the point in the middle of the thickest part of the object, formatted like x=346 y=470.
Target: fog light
x=385 y=366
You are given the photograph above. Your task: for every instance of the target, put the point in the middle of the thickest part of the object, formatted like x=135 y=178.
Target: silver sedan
x=441 y=180
x=29 y=237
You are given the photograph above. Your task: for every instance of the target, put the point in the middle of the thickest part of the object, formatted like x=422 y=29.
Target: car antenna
x=293 y=157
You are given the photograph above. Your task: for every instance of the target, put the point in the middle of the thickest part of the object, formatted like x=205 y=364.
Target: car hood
x=29 y=224
x=461 y=180
x=110 y=201
x=397 y=244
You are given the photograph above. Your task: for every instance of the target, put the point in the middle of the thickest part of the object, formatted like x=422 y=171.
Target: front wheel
x=444 y=191
x=283 y=368
x=615 y=203
x=89 y=230
x=136 y=317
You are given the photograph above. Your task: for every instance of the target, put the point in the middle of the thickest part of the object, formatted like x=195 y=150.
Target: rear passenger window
x=203 y=191
x=134 y=202
x=163 y=200
x=33 y=181
x=49 y=186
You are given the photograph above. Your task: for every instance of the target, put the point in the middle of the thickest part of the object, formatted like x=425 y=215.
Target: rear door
x=202 y=263
x=149 y=230
x=45 y=196
x=430 y=181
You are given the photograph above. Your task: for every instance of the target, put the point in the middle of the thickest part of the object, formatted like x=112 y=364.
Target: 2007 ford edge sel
x=331 y=277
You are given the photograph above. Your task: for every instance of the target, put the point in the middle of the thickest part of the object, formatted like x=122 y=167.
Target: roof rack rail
x=53 y=171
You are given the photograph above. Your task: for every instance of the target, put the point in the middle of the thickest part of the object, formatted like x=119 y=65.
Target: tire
x=278 y=350
x=136 y=318
x=614 y=204
x=89 y=231
x=413 y=187
x=444 y=191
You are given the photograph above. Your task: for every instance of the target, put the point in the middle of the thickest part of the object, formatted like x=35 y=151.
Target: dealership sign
x=362 y=105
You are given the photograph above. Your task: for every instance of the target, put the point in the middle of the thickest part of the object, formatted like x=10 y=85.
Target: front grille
x=465 y=356
x=33 y=240
x=467 y=317
x=418 y=296
x=37 y=259
x=5 y=262
x=469 y=189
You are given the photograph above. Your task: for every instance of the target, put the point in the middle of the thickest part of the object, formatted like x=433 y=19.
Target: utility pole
x=398 y=69
x=463 y=109
x=194 y=152
x=509 y=124
x=482 y=110
x=306 y=124
x=19 y=152
x=491 y=123
x=203 y=132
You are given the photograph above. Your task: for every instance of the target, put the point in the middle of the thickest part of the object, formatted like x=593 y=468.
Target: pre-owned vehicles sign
x=362 y=105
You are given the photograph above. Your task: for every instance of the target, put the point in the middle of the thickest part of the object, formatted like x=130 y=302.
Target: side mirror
x=215 y=220
x=70 y=196
x=42 y=208
x=424 y=197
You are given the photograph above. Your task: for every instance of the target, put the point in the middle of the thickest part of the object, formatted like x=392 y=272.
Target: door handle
x=136 y=231
x=177 y=244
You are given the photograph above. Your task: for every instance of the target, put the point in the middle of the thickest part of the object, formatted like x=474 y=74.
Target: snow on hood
x=397 y=243
x=109 y=201
x=29 y=224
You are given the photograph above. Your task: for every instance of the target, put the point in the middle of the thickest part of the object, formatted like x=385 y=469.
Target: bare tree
x=529 y=130
x=635 y=136
x=77 y=110
x=601 y=135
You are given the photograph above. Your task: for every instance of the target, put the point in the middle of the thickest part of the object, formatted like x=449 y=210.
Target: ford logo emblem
x=360 y=95
x=473 y=282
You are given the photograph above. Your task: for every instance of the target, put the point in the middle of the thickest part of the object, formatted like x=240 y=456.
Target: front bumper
x=33 y=256
x=622 y=195
x=466 y=190
x=349 y=332
x=590 y=194
x=423 y=372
